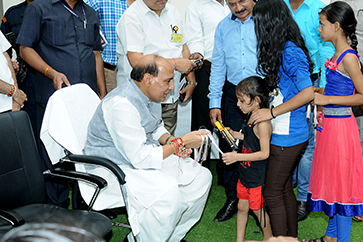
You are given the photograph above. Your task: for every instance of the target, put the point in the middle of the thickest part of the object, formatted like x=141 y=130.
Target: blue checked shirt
x=109 y=13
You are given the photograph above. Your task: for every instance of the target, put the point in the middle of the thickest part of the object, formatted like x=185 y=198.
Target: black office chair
x=22 y=185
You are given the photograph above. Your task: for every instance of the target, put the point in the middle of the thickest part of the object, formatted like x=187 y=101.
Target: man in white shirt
x=155 y=27
x=11 y=98
x=166 y=193
x=201 y=20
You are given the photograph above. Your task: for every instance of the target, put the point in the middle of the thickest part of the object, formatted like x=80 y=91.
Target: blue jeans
x=304 y=166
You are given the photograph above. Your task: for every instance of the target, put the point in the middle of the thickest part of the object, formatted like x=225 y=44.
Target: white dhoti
x=164 y=204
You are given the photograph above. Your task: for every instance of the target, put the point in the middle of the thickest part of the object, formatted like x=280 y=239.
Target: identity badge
x=175 y=37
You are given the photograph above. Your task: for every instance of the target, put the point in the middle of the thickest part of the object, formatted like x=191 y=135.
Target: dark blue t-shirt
x=62 y=41
x=11 y=22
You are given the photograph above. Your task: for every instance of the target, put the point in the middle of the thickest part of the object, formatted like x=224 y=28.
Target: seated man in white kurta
x=166 y=194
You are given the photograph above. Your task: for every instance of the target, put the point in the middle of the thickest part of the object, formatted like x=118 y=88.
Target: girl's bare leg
x=262 y=218
x=242 y=216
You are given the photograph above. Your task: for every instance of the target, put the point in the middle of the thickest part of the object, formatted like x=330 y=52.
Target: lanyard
x=76 y=15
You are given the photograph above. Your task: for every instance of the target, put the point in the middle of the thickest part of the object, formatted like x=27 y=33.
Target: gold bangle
x=46 y=71
x=167 y=139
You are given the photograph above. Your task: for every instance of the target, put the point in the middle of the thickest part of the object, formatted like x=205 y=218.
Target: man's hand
x=185 y=65
x=215 y=114
x=19 y=97
x=188 y=90
x=15 y=66
x=16 y=106
x=58 y=79
x=194 y=139
x=186 y=153
x=197 y=56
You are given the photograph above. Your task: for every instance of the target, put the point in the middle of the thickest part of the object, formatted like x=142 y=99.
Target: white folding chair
x=64 y=128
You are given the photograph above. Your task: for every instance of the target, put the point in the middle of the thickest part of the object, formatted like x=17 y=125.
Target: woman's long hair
x=274 y=26
x=342 y=13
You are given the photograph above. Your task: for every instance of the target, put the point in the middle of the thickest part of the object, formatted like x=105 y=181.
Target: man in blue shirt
x=234 y=58
x=109 y=13
x=60 y=39
x=306 y=15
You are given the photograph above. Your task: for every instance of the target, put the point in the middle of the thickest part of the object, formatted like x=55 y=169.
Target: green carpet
x=206 y=230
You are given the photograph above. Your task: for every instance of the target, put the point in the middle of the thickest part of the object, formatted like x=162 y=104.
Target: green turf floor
x=206 y=230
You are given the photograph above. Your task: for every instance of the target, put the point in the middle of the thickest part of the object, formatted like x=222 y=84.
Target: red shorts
x=253 y=195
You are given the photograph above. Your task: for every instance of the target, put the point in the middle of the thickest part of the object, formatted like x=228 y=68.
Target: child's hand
x=229 y=158
x=320 y=99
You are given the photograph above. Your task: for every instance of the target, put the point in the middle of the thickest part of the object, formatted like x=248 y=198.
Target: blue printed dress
x=336 y=179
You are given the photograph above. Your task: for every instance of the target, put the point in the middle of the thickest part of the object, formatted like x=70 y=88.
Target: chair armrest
x=94 y=160
x=78 y=176
x=12 y=217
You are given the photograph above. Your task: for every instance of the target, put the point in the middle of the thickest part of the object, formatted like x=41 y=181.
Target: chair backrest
x=21 y=177
x=66 y=119
x=67 y=115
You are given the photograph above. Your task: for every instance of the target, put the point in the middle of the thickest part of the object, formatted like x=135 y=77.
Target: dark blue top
x=61 y=40
x=11 y=22
x=339 y=84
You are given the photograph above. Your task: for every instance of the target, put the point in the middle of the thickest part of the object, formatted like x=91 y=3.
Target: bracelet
x=175 y=64
x=174 y=145
x=46 y=71
x=167 y=139
x=178 y=145
x=12 y=91
x=193 y=83
x=272 y=114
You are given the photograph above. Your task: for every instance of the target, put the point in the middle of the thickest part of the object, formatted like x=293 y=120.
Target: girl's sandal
x=315 y=240
x=358 y=218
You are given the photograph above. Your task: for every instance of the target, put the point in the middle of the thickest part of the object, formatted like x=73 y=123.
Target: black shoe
x=228 y=210
x=126 y=239
x=108 y=213
x=302 y=210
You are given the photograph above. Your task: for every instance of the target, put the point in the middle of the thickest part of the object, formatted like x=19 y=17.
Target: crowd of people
x=282 y=75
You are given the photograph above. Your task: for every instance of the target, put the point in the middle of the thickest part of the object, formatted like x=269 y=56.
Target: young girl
x=252 y=95
x=283 y=60
x=336 y=180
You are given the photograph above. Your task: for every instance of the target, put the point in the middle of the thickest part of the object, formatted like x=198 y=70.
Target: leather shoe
x=126 y=239
x=302 y=210
x=228 y=210
x=109 y=213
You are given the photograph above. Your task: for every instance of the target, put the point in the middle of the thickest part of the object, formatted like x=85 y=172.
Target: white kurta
x=141 y=30
x=164 y=202
x=6 y=103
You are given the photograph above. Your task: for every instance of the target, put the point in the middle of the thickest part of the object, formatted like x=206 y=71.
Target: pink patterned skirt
x=336 y=179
